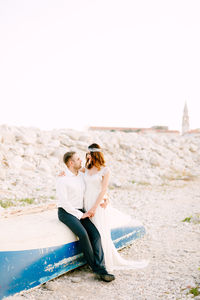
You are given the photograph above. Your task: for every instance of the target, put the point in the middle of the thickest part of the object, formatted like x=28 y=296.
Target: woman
x=96 y=176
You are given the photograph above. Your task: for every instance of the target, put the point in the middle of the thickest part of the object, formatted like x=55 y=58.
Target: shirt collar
x=69 y=173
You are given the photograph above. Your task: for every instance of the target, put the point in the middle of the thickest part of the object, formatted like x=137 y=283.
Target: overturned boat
x=37 y=247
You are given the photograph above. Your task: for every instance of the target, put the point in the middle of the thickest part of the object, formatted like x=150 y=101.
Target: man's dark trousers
x=89 y=238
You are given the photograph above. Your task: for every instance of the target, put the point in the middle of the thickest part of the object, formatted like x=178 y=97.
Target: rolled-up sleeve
x=63 y=201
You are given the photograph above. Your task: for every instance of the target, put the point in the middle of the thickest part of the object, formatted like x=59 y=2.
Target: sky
x=80 y=63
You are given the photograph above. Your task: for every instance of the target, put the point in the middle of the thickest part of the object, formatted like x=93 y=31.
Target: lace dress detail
x=102 y=220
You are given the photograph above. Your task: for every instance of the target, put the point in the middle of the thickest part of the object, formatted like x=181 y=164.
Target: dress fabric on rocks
x=103 y=219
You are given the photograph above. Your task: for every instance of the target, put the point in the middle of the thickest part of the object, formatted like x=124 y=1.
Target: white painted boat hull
x=36 y=248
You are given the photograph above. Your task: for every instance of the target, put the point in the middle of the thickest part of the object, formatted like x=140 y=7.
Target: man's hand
x=62 y=174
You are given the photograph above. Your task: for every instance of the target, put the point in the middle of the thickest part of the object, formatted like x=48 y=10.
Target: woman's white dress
x=103 y=219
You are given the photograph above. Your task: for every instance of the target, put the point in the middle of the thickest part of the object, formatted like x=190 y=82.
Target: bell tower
x=185 y=120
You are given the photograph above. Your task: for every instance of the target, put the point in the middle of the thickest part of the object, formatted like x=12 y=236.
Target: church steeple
x=185 y=120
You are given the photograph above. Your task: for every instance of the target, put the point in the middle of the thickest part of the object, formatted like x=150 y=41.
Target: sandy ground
x=172 y=246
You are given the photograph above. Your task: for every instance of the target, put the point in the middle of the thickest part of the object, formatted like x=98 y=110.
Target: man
x=70 y=193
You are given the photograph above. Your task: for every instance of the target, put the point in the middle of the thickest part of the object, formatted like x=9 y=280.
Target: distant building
x=185 y=120
x=194 y=131
x=160 y=127
x=154 y=129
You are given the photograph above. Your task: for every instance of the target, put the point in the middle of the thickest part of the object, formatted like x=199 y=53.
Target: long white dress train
x=103 y=220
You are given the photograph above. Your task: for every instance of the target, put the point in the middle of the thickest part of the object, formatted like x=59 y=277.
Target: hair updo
x=97 y=158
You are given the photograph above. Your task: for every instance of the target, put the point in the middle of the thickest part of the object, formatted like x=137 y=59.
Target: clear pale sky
x=72 y=64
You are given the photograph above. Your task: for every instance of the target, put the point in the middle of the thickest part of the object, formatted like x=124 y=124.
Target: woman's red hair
x=97 y=157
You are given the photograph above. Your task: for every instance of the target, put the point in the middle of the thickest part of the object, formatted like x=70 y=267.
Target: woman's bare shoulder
x=105 y=170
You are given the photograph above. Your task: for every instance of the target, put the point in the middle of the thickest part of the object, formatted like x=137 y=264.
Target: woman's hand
x=62 y=174
x=92 y=211
x=106 y=202
x=86 y=215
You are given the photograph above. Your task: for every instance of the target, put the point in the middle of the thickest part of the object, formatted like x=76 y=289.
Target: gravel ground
x=172 y=246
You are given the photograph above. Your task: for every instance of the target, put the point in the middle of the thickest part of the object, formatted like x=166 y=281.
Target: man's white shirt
x=70 y=192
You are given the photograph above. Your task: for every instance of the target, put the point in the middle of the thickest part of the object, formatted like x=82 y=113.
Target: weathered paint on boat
x=27 y=268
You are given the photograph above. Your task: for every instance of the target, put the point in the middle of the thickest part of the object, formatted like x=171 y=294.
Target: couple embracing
x=83 y=207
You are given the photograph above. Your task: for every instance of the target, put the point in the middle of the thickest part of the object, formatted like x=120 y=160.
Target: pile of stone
x=30 y=159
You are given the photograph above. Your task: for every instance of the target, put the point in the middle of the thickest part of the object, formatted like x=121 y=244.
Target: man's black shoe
x=106 y=277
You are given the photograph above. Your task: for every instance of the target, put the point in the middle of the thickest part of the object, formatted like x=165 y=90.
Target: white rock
x=28 y=166
x=51 y=286
x=190 y=284
x=29 y=151
x=16 y=162
x=84 y=138
x=1 y=210
x=154 y=161
x=26 y=136
x=193 y=148
x=54 y=160
x=2 y=173
x=76 y=279
x=54 y=143
x=17 y=150
x=7 y=135
x=44 y=166
x=115 y=183
x=59 y=153
x=81 y=146
x=73 y=135
x=125 y=146
x=177 y=167
x=65 y=141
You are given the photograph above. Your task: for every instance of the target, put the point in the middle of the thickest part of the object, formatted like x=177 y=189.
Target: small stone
x=190 y=284
x=51 y=286
x=76 y=279
x=115 y=183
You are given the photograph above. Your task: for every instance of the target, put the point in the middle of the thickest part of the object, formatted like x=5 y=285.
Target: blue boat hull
x=25 y=269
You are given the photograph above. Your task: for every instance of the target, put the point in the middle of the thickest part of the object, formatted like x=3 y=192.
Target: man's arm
x=63 y=201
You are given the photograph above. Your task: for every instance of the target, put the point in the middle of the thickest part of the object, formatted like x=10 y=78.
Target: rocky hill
x=30 y=160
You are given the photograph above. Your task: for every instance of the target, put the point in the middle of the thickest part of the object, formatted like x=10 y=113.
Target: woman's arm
x=105 y=181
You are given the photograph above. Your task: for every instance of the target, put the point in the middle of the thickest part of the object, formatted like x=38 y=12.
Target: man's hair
x=67 y=156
